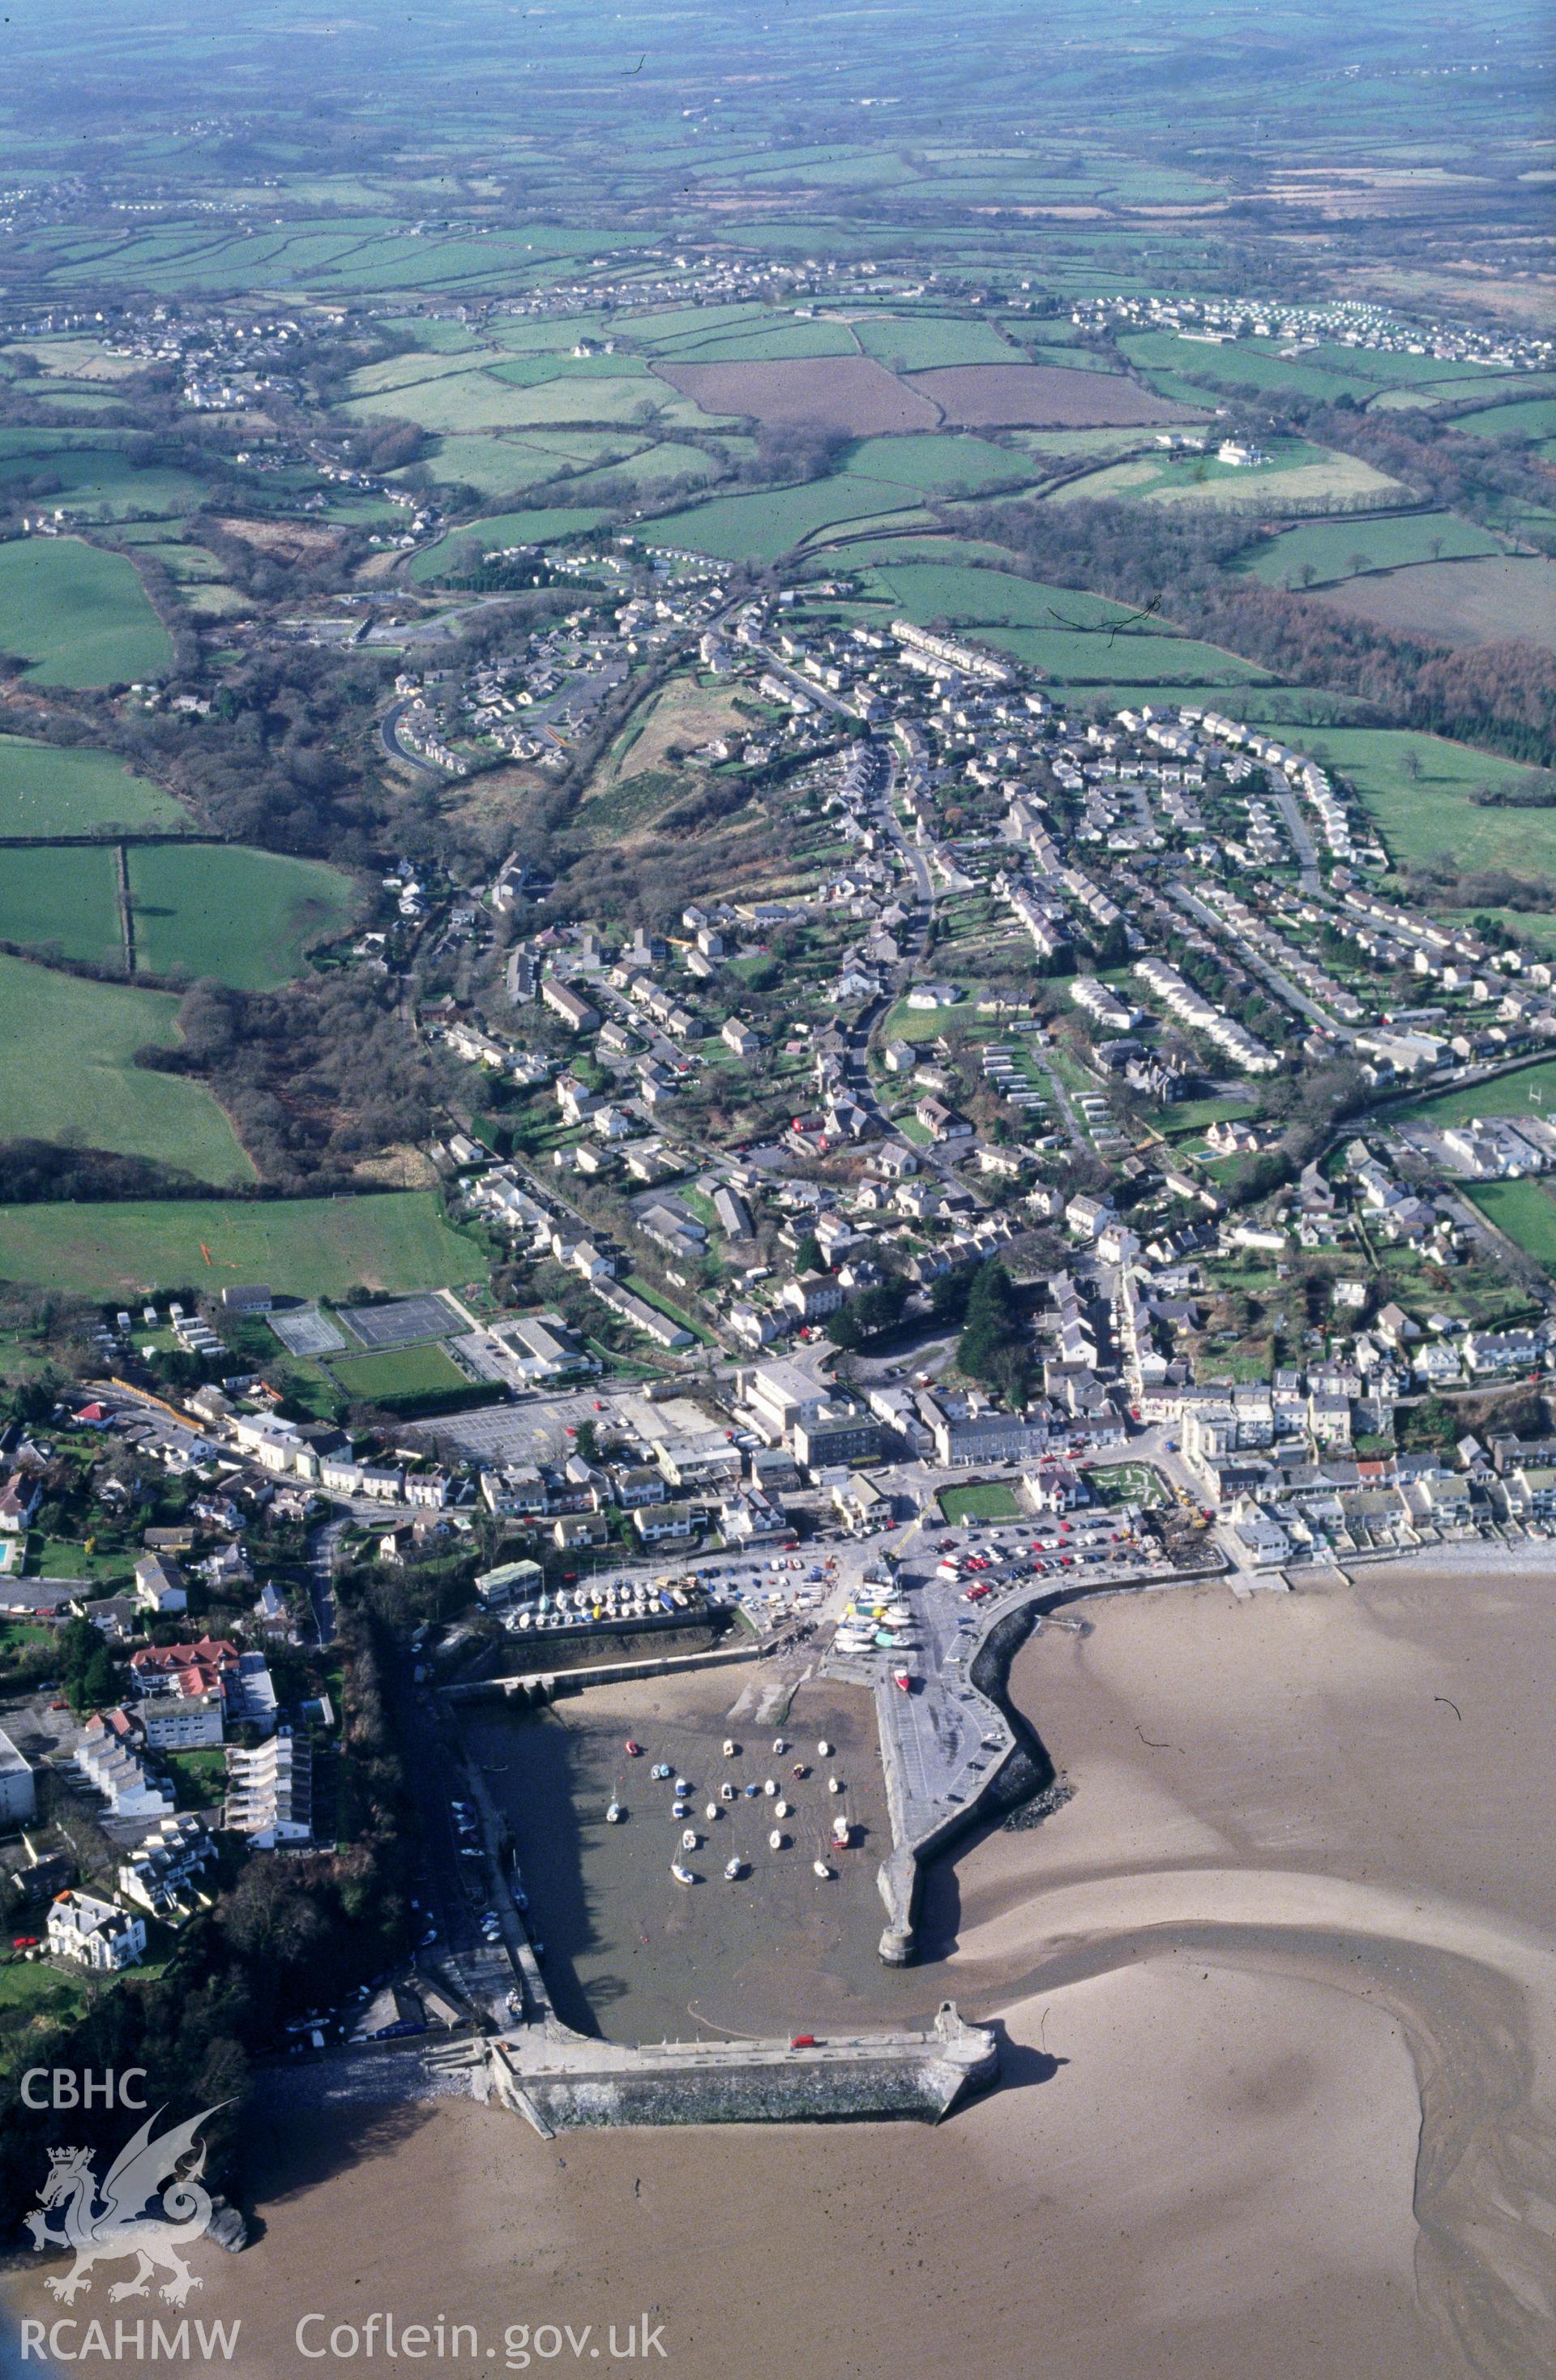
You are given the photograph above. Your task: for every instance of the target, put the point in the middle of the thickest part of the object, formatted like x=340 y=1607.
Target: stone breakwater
x=952 y=1750
x=559 y=2079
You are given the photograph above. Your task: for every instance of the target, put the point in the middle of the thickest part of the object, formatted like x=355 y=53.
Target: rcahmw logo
x=144 y=2207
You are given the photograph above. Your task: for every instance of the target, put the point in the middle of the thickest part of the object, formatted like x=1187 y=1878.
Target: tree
x=808 y=1256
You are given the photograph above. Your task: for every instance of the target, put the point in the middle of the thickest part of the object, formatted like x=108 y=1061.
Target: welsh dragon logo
x=111 y=2220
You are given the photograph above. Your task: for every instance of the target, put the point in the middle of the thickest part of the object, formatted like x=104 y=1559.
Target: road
x=322 y=1547
x=389 y=736
x=1261 y=967
x=1290 y=809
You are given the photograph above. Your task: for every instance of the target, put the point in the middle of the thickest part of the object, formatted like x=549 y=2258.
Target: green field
x=925 y=592
x=1529 y=1090
x=92 y=473
x=936 y=464
x=77 y=615
x=222 y=909
x=761 y=527
x=989 y=1501
x=1524 y=1210
x=400 y=1376
x=61 y=900
x=1529 y=418
x=923 y=342
x=1430 y=815
x=1297 y=477
x=1102 y=655
x=303 y=1247
x=1329 y=549
x=67 y=1074
x=465 y=546
x=504 y=465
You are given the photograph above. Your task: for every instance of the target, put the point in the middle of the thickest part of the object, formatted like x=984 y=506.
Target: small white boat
x=774 y=1840
x=712 y=1811
x=819 y=1867
x=734 y=1869
x=769 y=1787
x=834 y=1785
x=731 y=1749
x=843 y=1833
x=678 y=1809
x=822 y=1750
x=682 y=1874
x=523 y=1621
x=660 y=1769
x=780 y=1809
x=689 y=1839
x=726 y=1791
x=779 y=1744
x=682 y=1786
x=615 y=1814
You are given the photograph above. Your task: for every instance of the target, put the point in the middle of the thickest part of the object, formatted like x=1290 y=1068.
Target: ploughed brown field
x=1490 y=600
x=852 y=393
x=1041 y=396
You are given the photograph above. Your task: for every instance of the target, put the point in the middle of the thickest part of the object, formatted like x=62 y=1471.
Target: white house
x=95 y=1934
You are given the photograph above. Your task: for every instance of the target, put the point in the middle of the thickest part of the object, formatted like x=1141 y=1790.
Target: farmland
x=54 y=789
x=1473 y=602
x=1318 y=552
x=924 y=342
x=1427 y=813
x=77 y=615
x=848 y=392
x=1296 y=476
x=68 y=1073
x=303 y=1247
x=62 y=900
x=1033 y=396
x=221 y=909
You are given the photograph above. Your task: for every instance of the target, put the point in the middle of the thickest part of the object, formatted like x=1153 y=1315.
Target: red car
x=803 y=2041
x=24 y=1941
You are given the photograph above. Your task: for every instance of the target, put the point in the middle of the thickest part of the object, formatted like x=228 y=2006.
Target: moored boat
x=682 y=1874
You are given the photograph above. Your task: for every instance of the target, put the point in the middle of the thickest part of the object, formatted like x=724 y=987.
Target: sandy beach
x=1279 y=1994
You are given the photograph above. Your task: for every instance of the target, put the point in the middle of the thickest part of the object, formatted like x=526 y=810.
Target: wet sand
x=635 y=1956
x=1279 y=1987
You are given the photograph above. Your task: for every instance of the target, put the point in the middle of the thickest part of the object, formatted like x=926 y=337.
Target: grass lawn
x=78 y=615
x=62 y=900
x=1524 y=1210
x=199 y=1777
x=68 y=1073
x=398 y=1376
x=303 y=1247
x=36 y=1988
x=55 y=789
x=222 y=909
x=989 y=1501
